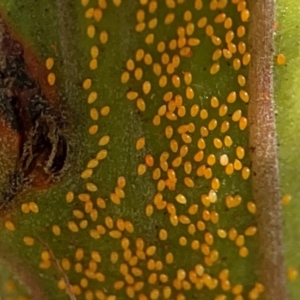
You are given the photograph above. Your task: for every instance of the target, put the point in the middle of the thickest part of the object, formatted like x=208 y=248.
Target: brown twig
x=264 y=154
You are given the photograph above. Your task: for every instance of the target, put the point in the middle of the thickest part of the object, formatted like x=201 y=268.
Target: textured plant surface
x=153 y=199
x=287 y=101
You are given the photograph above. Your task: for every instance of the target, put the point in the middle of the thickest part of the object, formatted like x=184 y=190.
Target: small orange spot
x=292 y=274
x=286 y=199
x=281 y=59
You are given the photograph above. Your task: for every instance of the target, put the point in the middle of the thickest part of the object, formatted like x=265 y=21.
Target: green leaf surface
x=183 y=226
x=288 y=124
